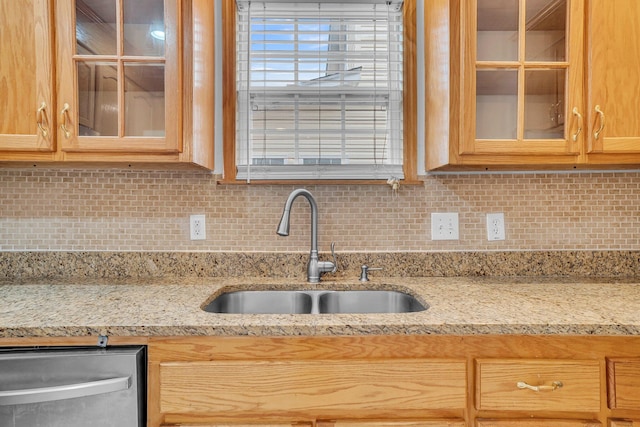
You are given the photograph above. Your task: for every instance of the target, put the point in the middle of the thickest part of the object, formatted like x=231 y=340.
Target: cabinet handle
x=597 y=133
x=40 y=120
x=67 y=391
x=554 y=386
x=63 y=125
x=579 y=130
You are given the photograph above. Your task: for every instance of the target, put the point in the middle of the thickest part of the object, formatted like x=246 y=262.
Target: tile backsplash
x=139 y=210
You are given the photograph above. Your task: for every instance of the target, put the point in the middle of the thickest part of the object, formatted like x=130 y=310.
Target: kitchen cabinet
x=614 y=82
x=328 y=382
x=624 y=423
x=386 y=380
x=119 y=76
x=126 y=90
x=339 y=423
x=623 y=382
x=537 y=423
x=533 y=385
x=516 y=78
x=301 y=388
x=521 y=77
x=254 y=423
x=404 y=381
x=544 y=84
x=365 y=423
x=26 y=78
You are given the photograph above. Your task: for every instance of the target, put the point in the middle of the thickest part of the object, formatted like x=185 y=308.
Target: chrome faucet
x=314 y=267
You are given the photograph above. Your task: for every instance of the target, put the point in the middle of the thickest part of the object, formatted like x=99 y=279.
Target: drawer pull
x=554 y=385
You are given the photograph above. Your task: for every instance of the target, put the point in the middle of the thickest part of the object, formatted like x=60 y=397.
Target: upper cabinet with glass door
x=119 y=78
x=520 y=80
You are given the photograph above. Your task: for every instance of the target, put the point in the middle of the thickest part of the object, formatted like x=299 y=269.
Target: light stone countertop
x=457 y=305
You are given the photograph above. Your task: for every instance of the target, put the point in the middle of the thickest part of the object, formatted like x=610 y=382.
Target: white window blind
x=319 y=87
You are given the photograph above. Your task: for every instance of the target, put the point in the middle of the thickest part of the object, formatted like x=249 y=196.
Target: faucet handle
x=335 y=260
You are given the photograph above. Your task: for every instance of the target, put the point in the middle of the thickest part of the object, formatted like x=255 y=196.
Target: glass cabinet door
x=119 y=75
x=524 y=86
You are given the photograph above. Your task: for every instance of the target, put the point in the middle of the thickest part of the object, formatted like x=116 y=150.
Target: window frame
x=230 y=100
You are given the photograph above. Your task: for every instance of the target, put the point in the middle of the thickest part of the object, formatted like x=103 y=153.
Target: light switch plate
x=444 y=226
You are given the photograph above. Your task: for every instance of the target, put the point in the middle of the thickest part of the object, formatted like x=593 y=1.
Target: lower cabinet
x=625 y=423
x=338 y=423
x=365 y=423
x=538 y=385
x=537 y=423
x=395 y=381
x=623 y=382
x=299 y=388
x=257 y=423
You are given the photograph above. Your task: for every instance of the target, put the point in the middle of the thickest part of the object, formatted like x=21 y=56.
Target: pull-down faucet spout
x=314 y=267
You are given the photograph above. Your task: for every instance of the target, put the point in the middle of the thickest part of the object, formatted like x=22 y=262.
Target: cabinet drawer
x=304 y=388
x=257 y=423
x=510 y=384
x=538 y=423
x=392 y=423
x=623 y=381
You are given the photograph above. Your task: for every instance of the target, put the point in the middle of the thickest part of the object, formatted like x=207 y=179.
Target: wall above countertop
x=146 y=210
x=17 y=267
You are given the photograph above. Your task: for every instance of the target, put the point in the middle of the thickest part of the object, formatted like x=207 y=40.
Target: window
x=319 y=89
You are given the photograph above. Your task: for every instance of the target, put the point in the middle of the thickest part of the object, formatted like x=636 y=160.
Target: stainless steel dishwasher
x=73 y=387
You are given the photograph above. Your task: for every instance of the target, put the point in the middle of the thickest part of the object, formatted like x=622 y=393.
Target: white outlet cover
x=495 y=227
x=197 y=227
x=444 y=226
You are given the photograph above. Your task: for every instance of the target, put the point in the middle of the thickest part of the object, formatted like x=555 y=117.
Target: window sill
x=316 y=182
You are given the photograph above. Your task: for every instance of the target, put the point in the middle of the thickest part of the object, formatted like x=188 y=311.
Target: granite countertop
x=457 y=305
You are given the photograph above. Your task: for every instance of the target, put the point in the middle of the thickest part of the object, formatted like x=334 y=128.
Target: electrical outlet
x=495 y=226
x=197 y=227
x=444 y=226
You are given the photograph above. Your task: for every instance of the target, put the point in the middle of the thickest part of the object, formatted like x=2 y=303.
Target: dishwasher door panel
x=73 y=387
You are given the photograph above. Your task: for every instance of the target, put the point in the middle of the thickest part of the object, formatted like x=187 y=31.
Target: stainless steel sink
x=314 y=302
x=261 y=302
x=368 y=302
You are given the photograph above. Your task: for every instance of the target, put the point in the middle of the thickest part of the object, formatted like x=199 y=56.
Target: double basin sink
x=314 y=302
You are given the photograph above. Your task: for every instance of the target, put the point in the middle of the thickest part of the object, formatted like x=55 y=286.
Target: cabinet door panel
x=623 y=380
x=392 y=423
x=538 y=423
x=312 y=388
x=119 y=85
x=257 y=423
x=26 y=71
x=614 y=83
x=562 y=385
x=624 y=423
x=519 y=103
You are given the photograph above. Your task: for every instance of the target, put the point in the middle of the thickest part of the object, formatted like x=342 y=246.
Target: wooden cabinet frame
x=38 y=142
x=586 y=355
x=189 y=96
x=603 y=48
